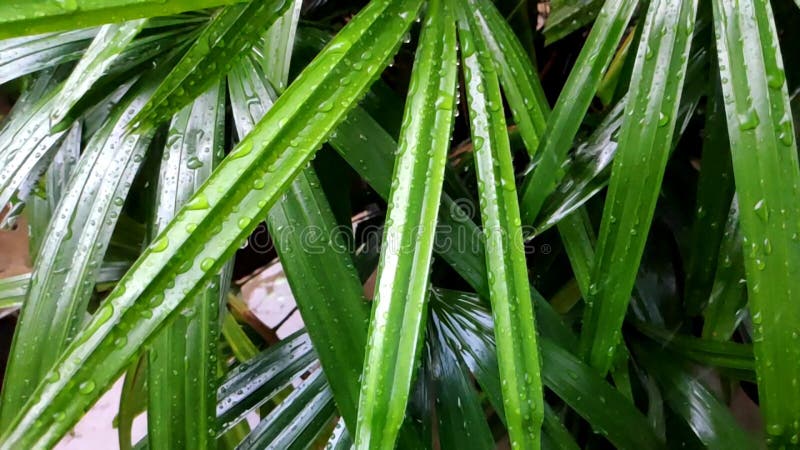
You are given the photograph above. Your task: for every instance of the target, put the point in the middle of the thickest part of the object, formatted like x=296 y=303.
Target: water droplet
x=206 y=264
x=775 y=429
x=761 y=211
x=244 y=148
x=107 y=310
x=120 y=342
x=86 y=387
x=663 y=119
x=52 y=376
x=749 y=120
x=199 y=202
x=194 y=163
x=160 y=244
x=776 y=78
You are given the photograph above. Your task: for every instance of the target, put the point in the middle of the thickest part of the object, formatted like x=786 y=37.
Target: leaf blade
x=759 y=116
x=93 y=361
x=572 y=104
x=26 y=17
x=631 y=200
x=399 y=306
x=509 y=290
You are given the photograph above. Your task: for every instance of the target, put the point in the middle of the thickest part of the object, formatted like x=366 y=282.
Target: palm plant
x=559 y=277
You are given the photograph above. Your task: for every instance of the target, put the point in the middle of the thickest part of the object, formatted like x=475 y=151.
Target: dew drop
x=160 y=244
x=663 y=119
x=199 y=202
x=206 y=264
x=748 y=120
x=86 y=387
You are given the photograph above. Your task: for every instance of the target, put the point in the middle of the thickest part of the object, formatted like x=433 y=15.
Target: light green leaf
x=509 y=291
x=572 y=104
x=22 y=56
x=105 y=49
x=399 y=307
x=218 y=218
x=767 y=176
x=71 y=254
x=26 y=17
x=181 y=376
x=644 y=145
x=227 y=35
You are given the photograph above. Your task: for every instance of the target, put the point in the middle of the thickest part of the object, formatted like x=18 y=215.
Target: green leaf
x=556 y=436
x=461 y=420
x=13 y=289
x=27 y=145
x=297 y=421
x=22 y=56
x=70 y=256
x=578 y=235
x=517 y=75
x=181 y=377
x=765 y=168
x=509 y=290
x=714 y=194
x=104 y=77
x=228 y=34
x=108 y=45
x=572 y=104
x=726 y=355
x=369 y=148
x=340 y=439
x=589 y=168
x=260 y=379
x=241 y=346
x=314 y=257
x=132 y=401
x=588 y=394
x=728 y=297
x=399 y=307
x=279 y=45
x=220 y=216
x=468 y=324
x=710 y=420
x=25 y=17
x=644 y=145
x=54 y=183
x=567 y=16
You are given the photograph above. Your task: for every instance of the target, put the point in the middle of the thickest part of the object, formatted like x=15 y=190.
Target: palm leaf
x=572 y=104
x=23 y=56
x=26 y=17
x=306 y=409
x=767 y=183
x=306 y=114
x=319 y=269
x=632 y=194
x=181 y=384
x=710 y=420
x=71 y=254
x=509 y=291
x=107 y=46
x=399 y=310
